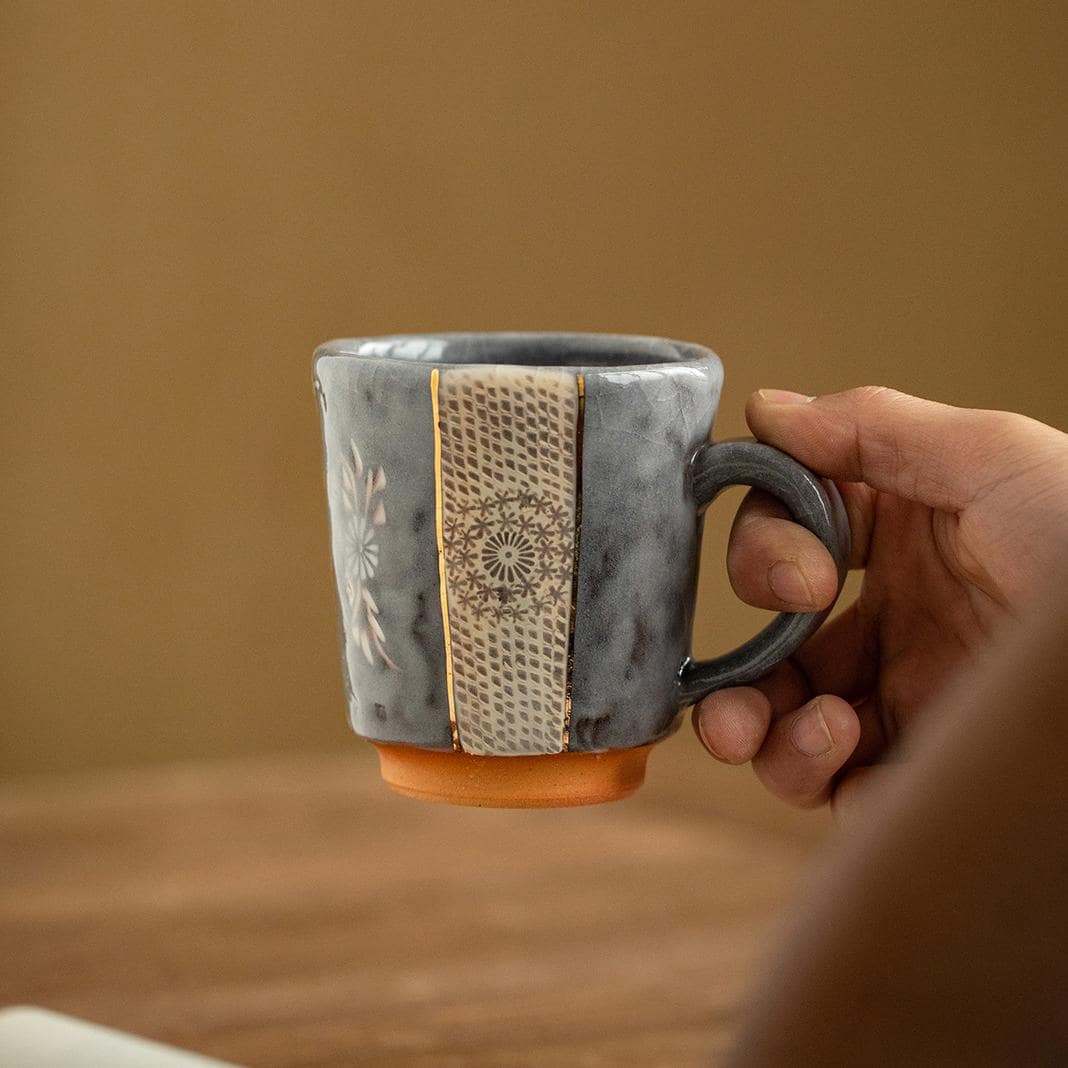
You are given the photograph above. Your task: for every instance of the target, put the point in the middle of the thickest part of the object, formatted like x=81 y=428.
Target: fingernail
x=783 y=396
x=787 y=582
x=704 y=738
x=809 y=732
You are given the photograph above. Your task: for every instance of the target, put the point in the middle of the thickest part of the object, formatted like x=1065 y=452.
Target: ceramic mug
x=516 y=523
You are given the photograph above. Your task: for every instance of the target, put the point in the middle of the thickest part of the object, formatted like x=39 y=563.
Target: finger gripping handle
x=816 y=505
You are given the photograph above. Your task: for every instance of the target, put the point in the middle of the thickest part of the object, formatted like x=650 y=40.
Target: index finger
x=927 y=452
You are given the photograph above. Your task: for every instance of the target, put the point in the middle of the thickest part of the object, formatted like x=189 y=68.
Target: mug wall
x=579 y=476
x=639 y=544
x=378 y=430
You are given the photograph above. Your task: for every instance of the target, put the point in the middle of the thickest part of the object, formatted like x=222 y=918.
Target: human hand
x=957 y=515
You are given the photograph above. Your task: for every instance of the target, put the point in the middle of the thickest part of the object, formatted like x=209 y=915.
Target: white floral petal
x=357 y=460
x=365 y=645
x=379 y=518
x=380 y=480
x=370 y=600
x=373 y=624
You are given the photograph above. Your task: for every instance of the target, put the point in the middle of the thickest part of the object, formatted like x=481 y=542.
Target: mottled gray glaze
x=639 y=546
x=649 y=406
x=385 y=407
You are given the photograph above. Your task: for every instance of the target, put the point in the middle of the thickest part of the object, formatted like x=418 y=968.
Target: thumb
x=927 y=452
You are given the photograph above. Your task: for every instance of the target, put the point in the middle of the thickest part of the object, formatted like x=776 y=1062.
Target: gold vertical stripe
x=434 y=376
x=580 y=386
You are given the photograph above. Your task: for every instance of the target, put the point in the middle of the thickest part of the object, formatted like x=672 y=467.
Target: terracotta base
x=553 y=781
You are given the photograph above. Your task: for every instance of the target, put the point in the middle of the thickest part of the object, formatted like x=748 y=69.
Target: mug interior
x=522 y=349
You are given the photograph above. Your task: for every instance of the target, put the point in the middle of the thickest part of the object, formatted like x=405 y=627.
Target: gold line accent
x=580 y=386
x=439 y=528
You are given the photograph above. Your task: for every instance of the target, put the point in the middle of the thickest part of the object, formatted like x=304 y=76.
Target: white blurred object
x=39 y=1038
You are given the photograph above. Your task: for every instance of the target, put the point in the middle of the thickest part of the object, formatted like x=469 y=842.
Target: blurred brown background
x=194 y=195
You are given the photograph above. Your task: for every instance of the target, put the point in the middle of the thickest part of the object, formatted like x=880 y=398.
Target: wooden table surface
x=292 y=911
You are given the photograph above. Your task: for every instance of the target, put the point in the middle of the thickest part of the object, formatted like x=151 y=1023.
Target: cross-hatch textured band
x=507 y=483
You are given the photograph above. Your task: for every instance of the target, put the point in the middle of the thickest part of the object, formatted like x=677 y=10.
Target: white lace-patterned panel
x=508 y=486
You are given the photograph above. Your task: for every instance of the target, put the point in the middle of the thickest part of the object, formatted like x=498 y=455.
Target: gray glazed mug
x=516 y=523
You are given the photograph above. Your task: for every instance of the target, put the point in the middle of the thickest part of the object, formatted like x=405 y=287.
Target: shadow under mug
x=516 y=524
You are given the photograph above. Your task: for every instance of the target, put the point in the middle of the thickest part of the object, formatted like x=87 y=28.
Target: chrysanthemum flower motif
x=509 y=552
x=508 y=556
x=365 y=516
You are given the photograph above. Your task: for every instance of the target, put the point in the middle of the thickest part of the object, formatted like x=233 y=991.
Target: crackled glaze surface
x=640 y=540
x=464 y=620
x=384 y=412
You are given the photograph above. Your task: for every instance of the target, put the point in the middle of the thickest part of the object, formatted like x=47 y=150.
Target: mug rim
x=593 y=351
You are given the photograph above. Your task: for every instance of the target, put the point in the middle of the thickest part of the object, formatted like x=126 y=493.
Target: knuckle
x=1009 y=428
x=756 y=506
x=868 y=397
x=788 y=785
x=877 y=445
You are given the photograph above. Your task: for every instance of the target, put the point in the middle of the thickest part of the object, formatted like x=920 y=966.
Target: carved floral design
x=364 y=520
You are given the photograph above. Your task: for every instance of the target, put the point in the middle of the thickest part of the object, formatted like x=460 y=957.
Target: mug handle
x=813 y=503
